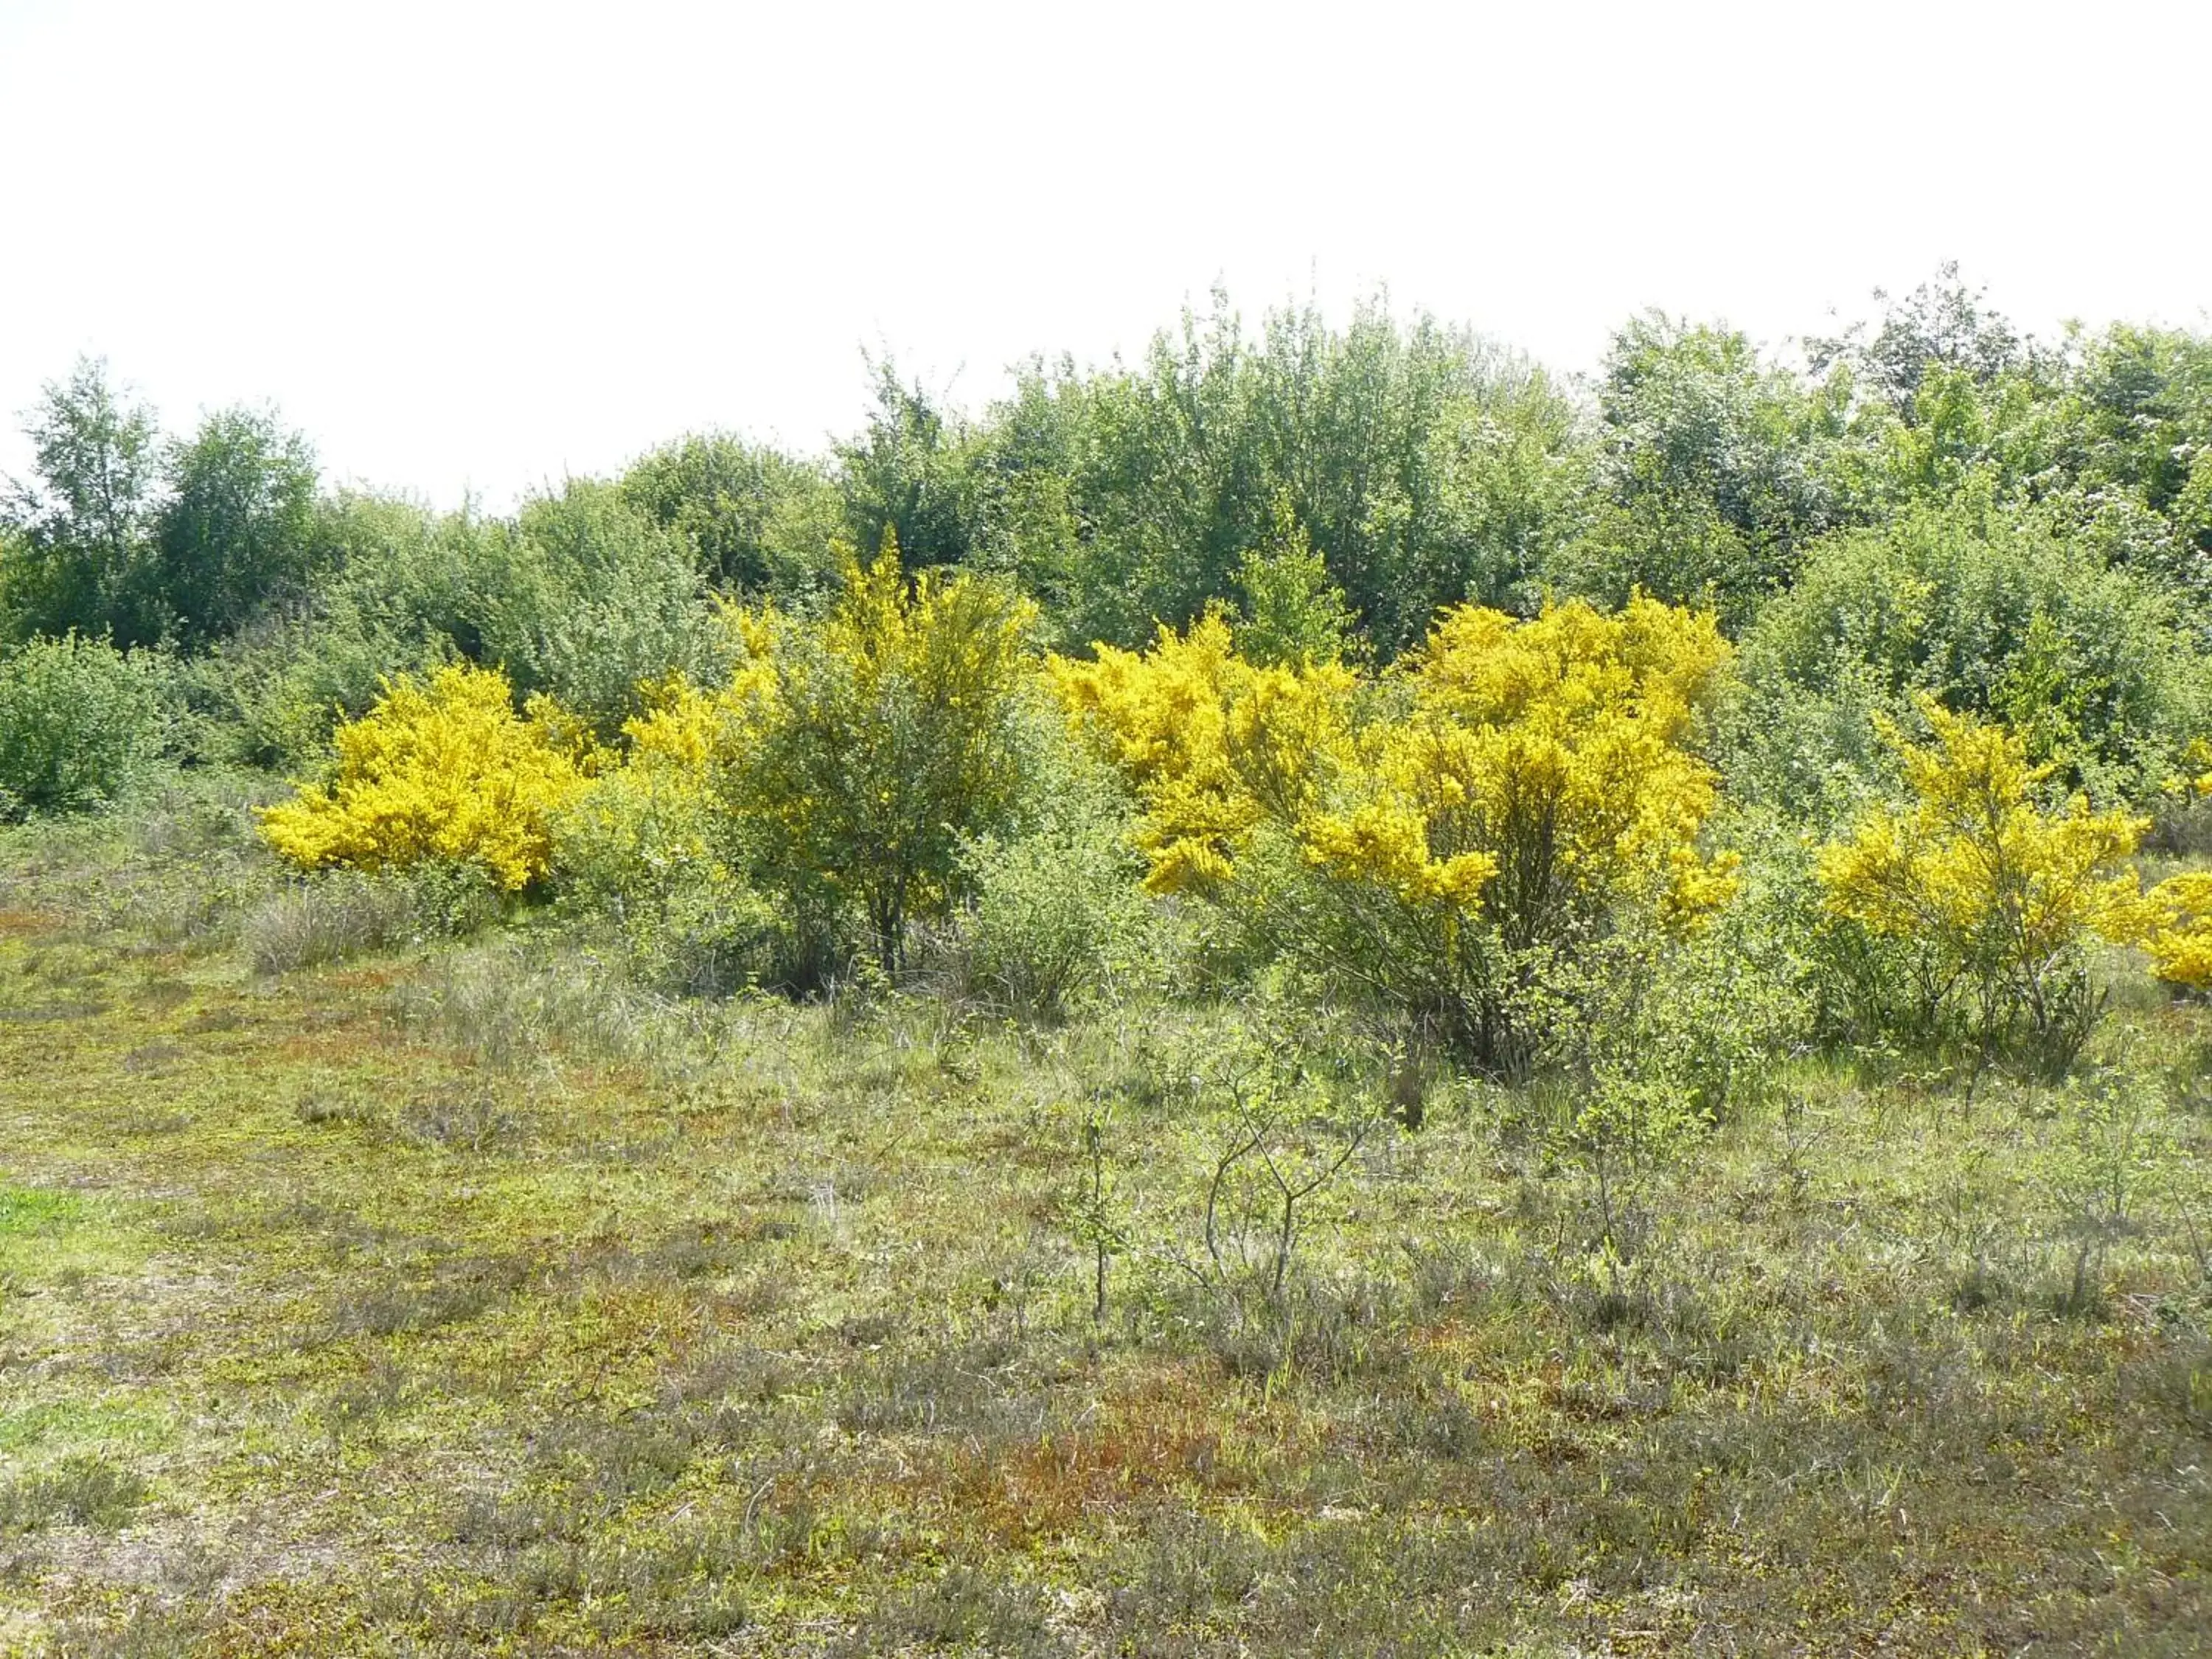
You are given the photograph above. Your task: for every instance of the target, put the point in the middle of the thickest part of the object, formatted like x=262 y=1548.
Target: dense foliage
x=442 y=771
x=1596 y=990
x=1995 y=896
x=889 y=732
x=1440 y=834
x=77 y=719
x=1397 y=673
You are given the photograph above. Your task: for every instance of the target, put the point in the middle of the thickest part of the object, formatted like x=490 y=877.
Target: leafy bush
x=647 y=846
x=596 y=599
x=1994 y=896
x=409 y=593
x=756 y=520
x=77 y=719
x=1702 y=1016
x=1292 y=613
x=580 y=596
x=2089 y=664
x=885 y=736
x=1058 y=914
x=840 y=767
x=444 y=772
x=1715 y=467
x=1432 y=836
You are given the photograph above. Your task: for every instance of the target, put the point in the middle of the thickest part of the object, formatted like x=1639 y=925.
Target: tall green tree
x=1424 y=465
x=1715 y=470
x=2119 y=453
x=1941 y=325
x=593 y=599
x=235 y=532
x=82 y=523
x=1351 y=425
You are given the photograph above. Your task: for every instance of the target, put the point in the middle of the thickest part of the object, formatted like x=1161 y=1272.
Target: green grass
x=463 y=1299
x=24 y=1210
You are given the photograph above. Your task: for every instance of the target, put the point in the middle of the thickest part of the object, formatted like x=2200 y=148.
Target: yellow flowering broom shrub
x=444 y=771
x=1442 y=831
x=1213 y=744
x=1995 y=895
x=2179 y=940
x=1545 y=773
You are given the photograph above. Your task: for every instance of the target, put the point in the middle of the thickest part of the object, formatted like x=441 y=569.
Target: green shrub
x=77 y=720
x=1659 y=1034
x=1058 y=914
x=868 y=746
x=644 y=852
x=581 y=596
x=408 y=593
x=758 y=521
x=596 y=599
x=2091 y=664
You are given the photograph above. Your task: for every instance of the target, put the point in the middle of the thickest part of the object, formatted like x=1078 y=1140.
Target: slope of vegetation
x=1316 y=995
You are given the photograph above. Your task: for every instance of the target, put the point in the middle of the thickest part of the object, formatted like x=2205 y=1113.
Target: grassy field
x=457 y=1297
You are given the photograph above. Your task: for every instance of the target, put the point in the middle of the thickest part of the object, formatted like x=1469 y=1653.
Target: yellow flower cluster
x=2179 y=940
x=1213 y=743
x=1976 y=869
x=1534 y=771
x=443 y=771
x=646 y=820
x=1543 y=770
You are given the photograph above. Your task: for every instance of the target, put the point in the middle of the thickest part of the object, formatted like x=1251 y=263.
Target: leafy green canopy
x=1928 y=502
x=180 y=542
x=2091 y=663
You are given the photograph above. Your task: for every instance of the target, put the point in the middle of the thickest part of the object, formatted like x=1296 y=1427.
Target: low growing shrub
x=441 y=772
x=2092 y=666
x=1994 y=896
x=1058 y=914
x=2180 y=937
x=330 y=918
x=77 y=720
x=646 y=847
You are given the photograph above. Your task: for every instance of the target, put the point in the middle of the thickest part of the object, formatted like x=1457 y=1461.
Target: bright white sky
x=477 y=245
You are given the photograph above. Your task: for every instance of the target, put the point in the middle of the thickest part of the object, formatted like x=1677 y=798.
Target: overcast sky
x=476 y=246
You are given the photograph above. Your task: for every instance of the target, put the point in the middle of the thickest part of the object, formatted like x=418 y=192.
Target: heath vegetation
x=1316 y=993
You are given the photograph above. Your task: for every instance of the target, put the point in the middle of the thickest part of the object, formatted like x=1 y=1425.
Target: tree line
x=1928 y=501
